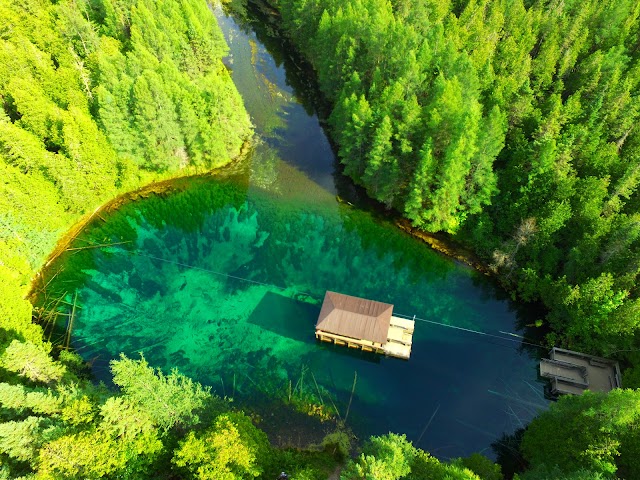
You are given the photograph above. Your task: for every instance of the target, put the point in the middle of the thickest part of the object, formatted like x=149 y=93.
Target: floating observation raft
x=365 y=324
x=572 y=372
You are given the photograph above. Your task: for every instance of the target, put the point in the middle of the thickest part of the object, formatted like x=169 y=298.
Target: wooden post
x=70 y=327
x=353 y=388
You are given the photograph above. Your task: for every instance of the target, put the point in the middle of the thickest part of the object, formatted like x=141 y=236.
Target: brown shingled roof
x=355 y=317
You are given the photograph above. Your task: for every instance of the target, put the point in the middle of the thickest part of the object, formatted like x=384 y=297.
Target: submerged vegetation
x=216 y=281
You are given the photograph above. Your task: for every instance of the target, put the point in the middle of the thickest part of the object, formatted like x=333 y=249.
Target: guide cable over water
x=519 y=339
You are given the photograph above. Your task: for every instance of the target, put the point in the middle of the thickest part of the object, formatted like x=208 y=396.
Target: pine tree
x=168 y=400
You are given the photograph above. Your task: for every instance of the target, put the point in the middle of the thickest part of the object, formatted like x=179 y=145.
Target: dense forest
x=512 y=126
x=100 y=97
x=509 y=124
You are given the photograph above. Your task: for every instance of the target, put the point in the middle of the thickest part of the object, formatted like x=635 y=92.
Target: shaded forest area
x=510 y=124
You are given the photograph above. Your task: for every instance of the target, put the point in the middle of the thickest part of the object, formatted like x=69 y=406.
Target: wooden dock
x=574 y=372
x=364 y=324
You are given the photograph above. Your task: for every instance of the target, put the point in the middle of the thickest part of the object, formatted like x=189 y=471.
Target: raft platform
x=364 y=324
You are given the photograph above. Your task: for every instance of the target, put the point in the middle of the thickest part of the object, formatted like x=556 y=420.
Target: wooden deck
x=364 y=345
x=574 y=372
x=398 y=344
x=399 y=338
x=397 y=350
x=565 y=372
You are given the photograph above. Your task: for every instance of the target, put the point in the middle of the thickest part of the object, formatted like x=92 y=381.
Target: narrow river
x=223 y=280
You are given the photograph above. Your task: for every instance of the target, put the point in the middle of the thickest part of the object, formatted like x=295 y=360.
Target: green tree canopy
x=168 y=400
x=232 y=448
x=595 y=431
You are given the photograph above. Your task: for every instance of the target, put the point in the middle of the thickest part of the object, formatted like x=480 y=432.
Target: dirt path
x=336 y=474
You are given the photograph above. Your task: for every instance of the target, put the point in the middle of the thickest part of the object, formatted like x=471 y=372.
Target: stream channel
x=223 y=280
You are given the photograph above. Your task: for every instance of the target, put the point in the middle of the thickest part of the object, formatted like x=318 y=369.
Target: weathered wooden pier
x=364 y=324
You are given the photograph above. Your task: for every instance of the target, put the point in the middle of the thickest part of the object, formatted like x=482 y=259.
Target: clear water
x=223 y=279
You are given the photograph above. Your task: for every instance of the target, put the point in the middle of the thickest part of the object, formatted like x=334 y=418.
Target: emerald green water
x=223 y=279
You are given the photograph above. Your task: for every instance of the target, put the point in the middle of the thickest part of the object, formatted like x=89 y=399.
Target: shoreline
x=446 y=246
x=437 y=242
x=156 y=187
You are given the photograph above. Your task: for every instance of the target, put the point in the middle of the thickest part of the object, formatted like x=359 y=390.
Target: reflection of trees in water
x=507 y=452
x=259 y=18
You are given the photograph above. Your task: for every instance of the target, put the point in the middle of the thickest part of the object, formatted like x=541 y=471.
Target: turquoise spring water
x=223 y=279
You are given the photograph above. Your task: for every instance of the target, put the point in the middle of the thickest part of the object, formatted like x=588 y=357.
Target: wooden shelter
x=364 y=324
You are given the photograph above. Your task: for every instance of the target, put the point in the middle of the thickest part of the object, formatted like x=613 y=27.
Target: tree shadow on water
x=508 y=456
